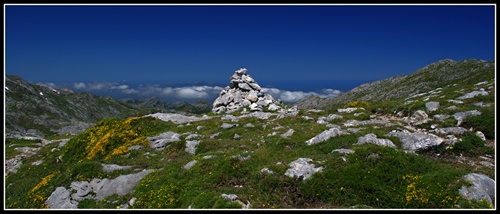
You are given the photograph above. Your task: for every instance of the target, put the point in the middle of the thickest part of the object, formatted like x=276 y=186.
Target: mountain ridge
x=404 y=86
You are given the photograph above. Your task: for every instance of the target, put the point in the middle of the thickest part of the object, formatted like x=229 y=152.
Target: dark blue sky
x=174 y=43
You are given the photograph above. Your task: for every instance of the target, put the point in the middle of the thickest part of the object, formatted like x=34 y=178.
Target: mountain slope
x=432 y=150
x=48 y=110
x=41 y=110
x=439 y=74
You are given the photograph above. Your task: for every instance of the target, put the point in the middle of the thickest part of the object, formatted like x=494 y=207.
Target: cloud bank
x=181 y=93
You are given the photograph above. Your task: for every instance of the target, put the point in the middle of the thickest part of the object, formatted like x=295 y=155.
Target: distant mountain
x=159 y=105
x=41 y=110
x=439 y=74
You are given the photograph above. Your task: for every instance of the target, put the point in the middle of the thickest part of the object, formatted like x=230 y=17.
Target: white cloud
x=122 y=87
x=96 y=86
x=295 y=96
x=192 y=92
x=130 y=91
x=50 y=84
x=79 y=85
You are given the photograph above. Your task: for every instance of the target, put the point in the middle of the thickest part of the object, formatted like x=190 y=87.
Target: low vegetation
x=254 y=166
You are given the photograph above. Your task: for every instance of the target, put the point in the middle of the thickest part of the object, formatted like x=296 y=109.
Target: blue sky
x=125 y=44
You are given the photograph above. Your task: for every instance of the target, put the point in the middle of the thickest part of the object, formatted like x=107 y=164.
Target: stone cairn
x=243 y=91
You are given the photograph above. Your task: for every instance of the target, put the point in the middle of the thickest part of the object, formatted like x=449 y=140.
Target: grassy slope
x=372 y=177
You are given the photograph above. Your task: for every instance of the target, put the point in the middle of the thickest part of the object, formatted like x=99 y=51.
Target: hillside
x=39 y=110
x=432 y=148
x=440 y=74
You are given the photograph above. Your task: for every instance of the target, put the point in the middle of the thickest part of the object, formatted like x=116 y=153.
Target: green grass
x=391 y=179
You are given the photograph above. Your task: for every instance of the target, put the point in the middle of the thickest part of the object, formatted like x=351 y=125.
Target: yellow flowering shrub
x=356 y=104
x=38 y=200
x=43 y=182
x=112 y=137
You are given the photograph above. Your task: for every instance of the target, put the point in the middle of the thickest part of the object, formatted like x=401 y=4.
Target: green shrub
x=485 y=122
x=471 y=145
x=87 y=170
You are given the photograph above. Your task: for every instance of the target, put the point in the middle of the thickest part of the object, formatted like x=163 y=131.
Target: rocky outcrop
x=96 y=189
x=242 y=91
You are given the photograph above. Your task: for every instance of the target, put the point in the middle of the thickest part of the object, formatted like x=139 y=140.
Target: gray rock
x=60 y=199
x=441 y=117
x=450 y=130
x=473 y=94
x=372 y=138
x=177 y=118
x=288 y=133
x=343 y=151
x=121 y=185
x=416 y=141
x=325 y=120
x=228 y=125
x=161 y=141
x=190 y=164
x=481 y=135
x=266 y=170
x=245 y=204
x=482 y=188
x=419 y=117
x=325 y=135
x=302 y=168
x=350 y=123
x=113 y=167
x=460 y=116
x=191 y=146
x=456 y=101
x=432 y=106
x=348 y=110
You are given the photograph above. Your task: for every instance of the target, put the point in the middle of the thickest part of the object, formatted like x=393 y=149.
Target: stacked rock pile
x=243 y=91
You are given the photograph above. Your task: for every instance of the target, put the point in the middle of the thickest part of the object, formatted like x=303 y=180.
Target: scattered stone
x=228 y=125
x=372 y=138
x=161 y=141
x=113 y=167
x=302 y=168
x=482 y=188
x=343 y=151
x=266 y=170
x=348 y=110
x=245 y=204
x=441 y=117
x=416 y=141
x=473 y=94
x=460 y=116
x=190 y=164
x=177 y=118
x=432 y=106
x=288 y=133
x=451 y=130
x=419 y=117
x=325 y=135
x=191 y=146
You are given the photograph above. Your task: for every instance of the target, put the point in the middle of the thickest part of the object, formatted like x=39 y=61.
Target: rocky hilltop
x=434 y=149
